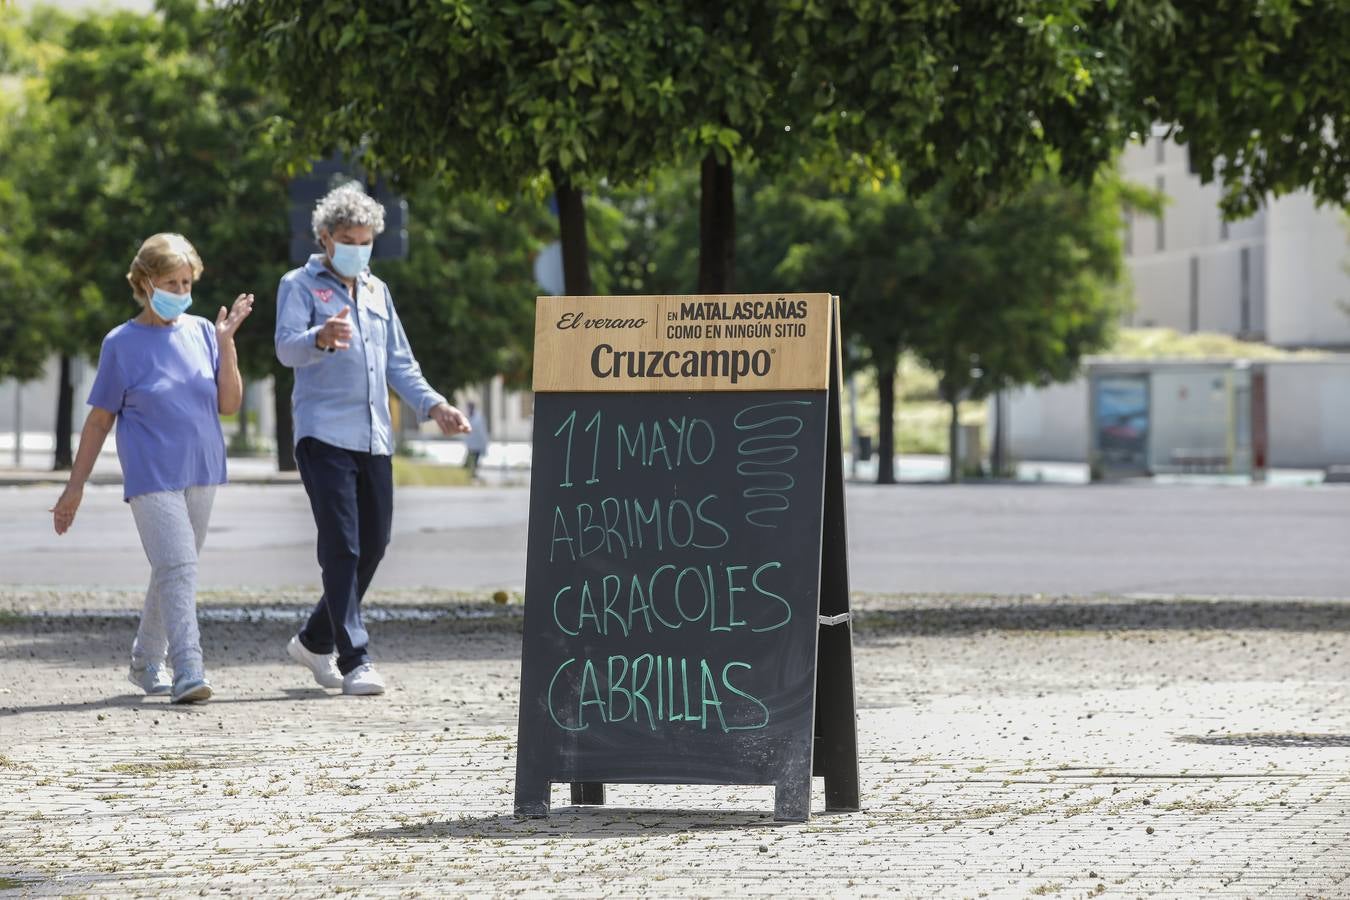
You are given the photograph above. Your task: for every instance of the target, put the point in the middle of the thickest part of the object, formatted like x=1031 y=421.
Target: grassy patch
x=1053 y=887
x=921 y=418
x=414 y=473
x=179 y=764
x=9 y=884
x=1165 y=343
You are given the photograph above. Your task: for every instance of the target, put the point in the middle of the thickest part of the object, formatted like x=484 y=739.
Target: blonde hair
x=159 y=255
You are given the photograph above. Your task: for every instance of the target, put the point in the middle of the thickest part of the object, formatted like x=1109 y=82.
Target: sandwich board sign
x=686 y=598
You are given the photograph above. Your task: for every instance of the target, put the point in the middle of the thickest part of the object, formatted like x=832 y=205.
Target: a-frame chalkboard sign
x=686 y=595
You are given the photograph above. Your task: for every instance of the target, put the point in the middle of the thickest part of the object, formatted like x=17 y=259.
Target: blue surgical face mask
x=350 y=260
x=169 y=306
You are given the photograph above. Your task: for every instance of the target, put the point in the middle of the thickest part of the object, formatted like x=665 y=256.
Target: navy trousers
x=352 y=495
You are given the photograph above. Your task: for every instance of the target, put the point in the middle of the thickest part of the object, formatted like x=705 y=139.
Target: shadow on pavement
x=588 y=823
x=98 y=641
x=101 y=641
x=161 y=704
x=1293 y=739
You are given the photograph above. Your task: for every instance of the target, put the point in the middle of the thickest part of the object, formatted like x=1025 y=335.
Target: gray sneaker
x=150 y=678
x=191 y=689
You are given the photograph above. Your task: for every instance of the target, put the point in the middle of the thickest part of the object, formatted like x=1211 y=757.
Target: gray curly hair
x=347 y=204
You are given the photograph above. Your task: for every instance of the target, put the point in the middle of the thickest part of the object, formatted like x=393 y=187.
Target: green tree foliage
x=130 y=124
x=1020 y=291
x=969 y=95
x=78 y=199
x=1019 y=294
x=466 y=291
x=1014 y=295
x=873 y=246
x=24 y=323
x=130 y=127
x=1256 y=90
x=474 y=94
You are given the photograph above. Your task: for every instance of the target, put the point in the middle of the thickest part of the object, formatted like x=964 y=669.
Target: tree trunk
x=65 y=403
x=572 y=236
x=282 y=382
x=886 y=424
x=953 y=437
x=998 y=450
x=717 y=228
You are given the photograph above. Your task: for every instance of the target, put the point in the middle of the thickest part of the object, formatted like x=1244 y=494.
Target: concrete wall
x=1309 y=409
x=1308 y=405
x=1189 y=251
x=38 y=398
x=1308 y=251
x=1048 y=424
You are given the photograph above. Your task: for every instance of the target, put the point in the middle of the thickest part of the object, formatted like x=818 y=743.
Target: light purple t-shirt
x=160 y=382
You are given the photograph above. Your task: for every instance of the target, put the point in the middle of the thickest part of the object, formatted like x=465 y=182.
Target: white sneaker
x=324 y=667
x=363 y=681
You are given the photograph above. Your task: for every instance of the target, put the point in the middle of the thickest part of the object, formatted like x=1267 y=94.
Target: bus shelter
x=1150 y=417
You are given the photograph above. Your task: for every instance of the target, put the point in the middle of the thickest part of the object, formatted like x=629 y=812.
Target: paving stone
x=1230 y=739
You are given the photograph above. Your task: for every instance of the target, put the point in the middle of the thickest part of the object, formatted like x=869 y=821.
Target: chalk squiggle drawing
x=765 y=450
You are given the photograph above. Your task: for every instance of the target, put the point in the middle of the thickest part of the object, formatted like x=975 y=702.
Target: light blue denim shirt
x=342 y=397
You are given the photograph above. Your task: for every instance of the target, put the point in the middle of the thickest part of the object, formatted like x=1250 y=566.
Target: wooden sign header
x=719 y=342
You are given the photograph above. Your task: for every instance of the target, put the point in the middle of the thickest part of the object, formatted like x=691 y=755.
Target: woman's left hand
x=227 y=323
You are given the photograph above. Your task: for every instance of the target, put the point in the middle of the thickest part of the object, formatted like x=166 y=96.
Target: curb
x=8 y=479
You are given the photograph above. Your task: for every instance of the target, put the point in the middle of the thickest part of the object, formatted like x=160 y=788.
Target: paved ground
x=1015 y=747
x=1007 y=539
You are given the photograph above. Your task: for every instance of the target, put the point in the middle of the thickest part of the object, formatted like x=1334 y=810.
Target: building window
x=1160 y=151
x=1195 y=294
x=1223 y=227
x=1245 y=290
x=1129 y=233
x=1161 y=221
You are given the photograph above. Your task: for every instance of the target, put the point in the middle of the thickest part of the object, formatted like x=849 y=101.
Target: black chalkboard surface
x=673 y=596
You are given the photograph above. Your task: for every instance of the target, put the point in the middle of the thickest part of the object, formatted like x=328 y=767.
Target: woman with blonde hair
x=164 y=378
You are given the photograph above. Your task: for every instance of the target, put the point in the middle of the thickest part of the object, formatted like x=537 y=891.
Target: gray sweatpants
x=172 y=525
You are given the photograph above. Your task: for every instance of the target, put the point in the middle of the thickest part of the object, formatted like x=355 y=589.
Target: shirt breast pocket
x=376 y=327
x=321 y=312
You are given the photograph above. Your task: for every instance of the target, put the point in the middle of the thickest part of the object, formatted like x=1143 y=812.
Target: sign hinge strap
x=837 y=620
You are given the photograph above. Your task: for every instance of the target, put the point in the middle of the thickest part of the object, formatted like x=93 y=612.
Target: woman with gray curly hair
x=337 y=328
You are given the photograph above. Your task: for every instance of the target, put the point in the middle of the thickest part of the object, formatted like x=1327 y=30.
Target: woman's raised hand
x=228 y=322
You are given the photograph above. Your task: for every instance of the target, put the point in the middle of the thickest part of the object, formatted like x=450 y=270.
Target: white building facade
x=1279 y=276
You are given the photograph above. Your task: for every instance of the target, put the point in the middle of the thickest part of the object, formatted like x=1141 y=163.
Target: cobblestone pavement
x=1010 y=747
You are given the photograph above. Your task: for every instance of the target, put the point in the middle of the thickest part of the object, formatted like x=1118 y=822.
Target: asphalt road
x=1001 y=539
